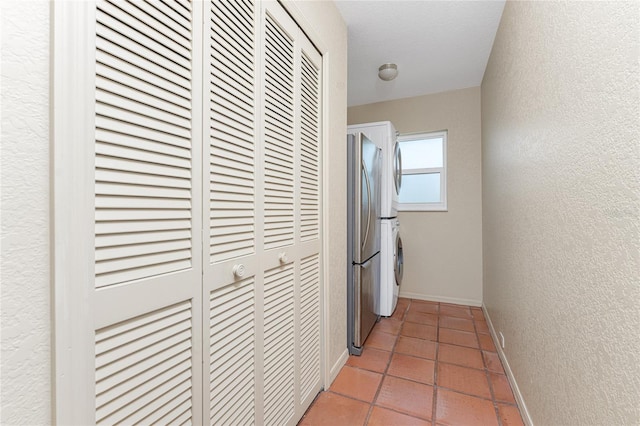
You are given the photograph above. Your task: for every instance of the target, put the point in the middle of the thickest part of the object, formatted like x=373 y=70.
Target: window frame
x=440 y=206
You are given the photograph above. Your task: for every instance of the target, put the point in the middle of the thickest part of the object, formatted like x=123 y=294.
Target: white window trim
x=428 y=207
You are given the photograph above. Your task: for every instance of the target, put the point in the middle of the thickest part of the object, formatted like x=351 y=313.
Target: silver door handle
x=365 y=264
x=366 y=178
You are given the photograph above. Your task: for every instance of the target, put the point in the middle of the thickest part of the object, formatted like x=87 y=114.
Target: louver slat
x=232 y=136
x=143 y=141
x=113 y=64
x=144 y=95
x=161 y=14
x=143 y=367
x=278 y=339
x=138 y=44
x=108 y=229
x=310 y=325
x=139 y=118
x=128 y=14
x=142 y=111
x=310 y=136
x=182 y=7
x=232 y=382
x=154 y=236
x=107 y=162
x=122 y=132
x=278 y=137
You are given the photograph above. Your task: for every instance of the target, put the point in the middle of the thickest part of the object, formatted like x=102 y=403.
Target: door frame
x=72 y=198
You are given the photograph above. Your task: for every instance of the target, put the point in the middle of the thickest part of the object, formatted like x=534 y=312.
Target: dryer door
x=398 y=266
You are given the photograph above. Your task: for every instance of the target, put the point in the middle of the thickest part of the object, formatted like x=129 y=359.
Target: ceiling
x=437 y=45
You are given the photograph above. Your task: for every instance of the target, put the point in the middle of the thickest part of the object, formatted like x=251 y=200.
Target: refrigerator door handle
x=366 y=179
x=366 y=264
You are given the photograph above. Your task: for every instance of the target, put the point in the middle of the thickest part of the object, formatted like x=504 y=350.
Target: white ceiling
x=437 y=45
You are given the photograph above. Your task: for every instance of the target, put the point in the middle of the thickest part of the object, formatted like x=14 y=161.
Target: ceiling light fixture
x=388 y=72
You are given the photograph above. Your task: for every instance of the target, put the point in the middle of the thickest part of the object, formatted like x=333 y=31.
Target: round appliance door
x=398 y=266
x=397 y=167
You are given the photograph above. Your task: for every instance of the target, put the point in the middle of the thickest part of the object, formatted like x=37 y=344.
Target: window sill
x=423 y=207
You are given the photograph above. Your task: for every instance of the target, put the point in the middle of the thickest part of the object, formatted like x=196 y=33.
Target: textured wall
x=25 y=313
x=327 y=26
x=442 y=250
x=560 y=131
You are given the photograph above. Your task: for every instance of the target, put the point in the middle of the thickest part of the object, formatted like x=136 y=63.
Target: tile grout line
x=384 y=373
x=483 y=369
x=487 y=375
x=434 y=401
x=489 y=372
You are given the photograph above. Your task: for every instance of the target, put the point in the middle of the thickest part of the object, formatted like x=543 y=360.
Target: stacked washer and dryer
x=384 y=135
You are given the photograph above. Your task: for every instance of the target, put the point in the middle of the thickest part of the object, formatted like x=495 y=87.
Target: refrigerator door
x=367 y=281
x=365 y=168
x=366 y=197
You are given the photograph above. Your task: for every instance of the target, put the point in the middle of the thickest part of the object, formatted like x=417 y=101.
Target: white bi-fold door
x=193 y=291
x=262 y=272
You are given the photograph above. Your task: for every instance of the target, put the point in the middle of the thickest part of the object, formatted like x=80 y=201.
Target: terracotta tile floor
x=429 y=364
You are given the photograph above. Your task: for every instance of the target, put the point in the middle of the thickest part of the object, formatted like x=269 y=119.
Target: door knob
x=283 y=257
x=239 y=270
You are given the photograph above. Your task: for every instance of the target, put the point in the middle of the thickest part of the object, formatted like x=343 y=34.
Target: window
x=424 y=172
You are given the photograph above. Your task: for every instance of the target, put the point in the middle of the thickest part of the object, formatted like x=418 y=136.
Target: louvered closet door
x=279 y=262
x=290 y=163
x=232 y=287
x=308 y=178
x=261 y=160
x=206 y=294
x=148 y=264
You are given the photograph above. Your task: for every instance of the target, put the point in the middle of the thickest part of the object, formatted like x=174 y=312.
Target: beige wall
x=560 y=132
x=442 y=250
x=25 y=174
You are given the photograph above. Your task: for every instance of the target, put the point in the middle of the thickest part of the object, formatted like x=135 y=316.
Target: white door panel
x=231 y=278
x=147 y=299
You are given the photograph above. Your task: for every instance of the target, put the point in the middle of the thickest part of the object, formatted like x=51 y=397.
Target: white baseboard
x=507 y=369
x=333 y=373
x=430 y=298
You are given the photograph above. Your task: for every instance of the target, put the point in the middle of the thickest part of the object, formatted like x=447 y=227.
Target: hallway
x=429 y=364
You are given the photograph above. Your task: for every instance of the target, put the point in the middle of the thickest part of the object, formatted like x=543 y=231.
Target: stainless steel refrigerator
x=364 y=180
